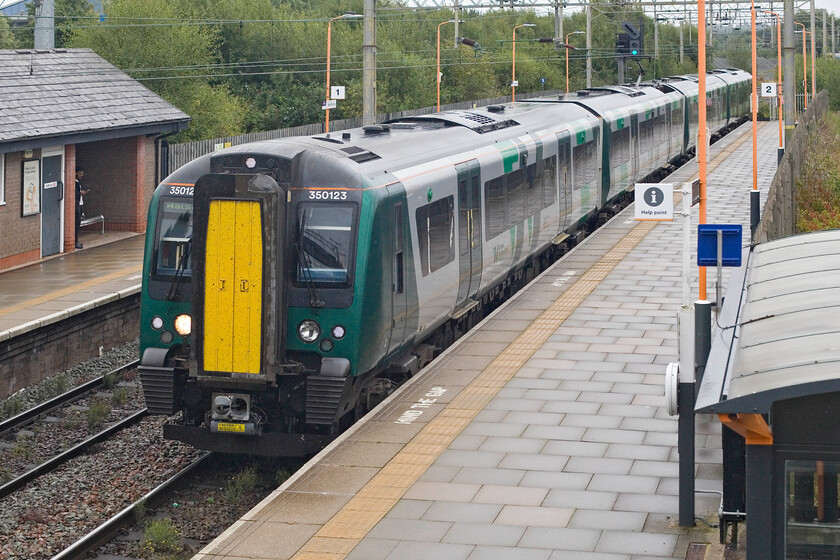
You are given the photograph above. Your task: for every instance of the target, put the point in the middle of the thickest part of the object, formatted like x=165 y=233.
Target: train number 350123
x=327 y=195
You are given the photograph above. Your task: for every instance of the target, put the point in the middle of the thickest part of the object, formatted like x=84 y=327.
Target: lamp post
x=345 y=15
x=778 y=76
x=513 y=70
x=567 y=55
x=804 y=62
x=438 y=57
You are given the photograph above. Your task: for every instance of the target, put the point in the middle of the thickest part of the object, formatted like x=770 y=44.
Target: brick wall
x=119 y=174
x=31 y=357
x=21 y=236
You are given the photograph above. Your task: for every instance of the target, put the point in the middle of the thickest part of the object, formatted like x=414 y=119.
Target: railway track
x=88 y=544
x=30 y=415
x=71 y=435
x=51 y=464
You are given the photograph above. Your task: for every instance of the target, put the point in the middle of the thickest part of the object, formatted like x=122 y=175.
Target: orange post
x=346 y=15
x=813 y=65
x=566 y=43
x=438 y=61
x=754 y=101
x=701 y=131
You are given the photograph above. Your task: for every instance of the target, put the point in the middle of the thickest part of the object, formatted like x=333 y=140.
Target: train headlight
x=183 y=324
x=157 y=322
x=309 y=331
x=338 y=332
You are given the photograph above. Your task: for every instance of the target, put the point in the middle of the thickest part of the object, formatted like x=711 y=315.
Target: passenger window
x=494 y=196
x=585 y=165
x=436 y=232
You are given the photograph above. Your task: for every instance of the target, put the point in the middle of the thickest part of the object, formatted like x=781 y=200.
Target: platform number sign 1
x=768 y=89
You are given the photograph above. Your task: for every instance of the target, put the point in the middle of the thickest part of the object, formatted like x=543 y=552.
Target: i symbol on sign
x=654 y=196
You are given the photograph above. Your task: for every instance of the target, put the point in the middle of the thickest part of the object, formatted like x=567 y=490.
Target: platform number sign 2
x=768 y=89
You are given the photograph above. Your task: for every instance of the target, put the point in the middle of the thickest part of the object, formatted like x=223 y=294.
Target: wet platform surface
x=542 y=434
x=57 y=287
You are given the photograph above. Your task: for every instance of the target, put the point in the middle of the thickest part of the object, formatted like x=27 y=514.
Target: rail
x=48 y=406
x=108 y=530
x=51 y=464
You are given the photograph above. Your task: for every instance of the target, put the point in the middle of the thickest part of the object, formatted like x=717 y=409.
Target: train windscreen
x=172 y=244
x=325 y=241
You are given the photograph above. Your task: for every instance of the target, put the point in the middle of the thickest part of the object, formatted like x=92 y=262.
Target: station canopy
x=778 y=335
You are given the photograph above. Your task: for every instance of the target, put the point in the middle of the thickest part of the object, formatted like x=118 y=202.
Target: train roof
x=402 y=143
x=378 y=150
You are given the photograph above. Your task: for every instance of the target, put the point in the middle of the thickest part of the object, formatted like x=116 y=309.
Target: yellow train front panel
x=233 y=287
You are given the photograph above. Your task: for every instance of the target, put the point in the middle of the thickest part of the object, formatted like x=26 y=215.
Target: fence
x=779 y=217
x=181 y=154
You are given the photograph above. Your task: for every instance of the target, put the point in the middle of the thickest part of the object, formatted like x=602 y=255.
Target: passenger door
x=635 y=148
x=52 y=201
x=564 y=180
x=469 y=229
x=399 y=246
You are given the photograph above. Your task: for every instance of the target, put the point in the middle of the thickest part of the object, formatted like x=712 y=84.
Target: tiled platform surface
x=573 y=457
x=58 y=287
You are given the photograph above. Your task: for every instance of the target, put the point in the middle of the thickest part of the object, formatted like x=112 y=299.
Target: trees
x=169 y=55
x=248 y=65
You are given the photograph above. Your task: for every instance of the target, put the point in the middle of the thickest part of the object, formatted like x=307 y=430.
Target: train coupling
x=231 y=413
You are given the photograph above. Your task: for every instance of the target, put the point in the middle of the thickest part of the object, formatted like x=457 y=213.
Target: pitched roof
x=72 y=92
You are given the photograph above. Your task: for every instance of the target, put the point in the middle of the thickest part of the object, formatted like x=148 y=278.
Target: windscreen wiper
x=305 y=264
x=179 y=273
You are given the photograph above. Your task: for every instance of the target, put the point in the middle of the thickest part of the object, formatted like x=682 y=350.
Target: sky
x=833 y=6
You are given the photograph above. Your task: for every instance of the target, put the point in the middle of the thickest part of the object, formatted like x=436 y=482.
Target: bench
x=100 y=219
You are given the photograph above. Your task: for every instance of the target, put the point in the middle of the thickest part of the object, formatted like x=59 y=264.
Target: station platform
x=542 y=433
x=55 y=288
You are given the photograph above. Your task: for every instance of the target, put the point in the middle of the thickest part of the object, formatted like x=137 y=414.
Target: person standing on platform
x=80 y=201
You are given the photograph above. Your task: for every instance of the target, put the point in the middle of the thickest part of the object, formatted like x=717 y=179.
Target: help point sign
x=654 y=201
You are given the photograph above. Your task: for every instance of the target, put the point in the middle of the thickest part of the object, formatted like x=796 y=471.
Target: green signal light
x=634 y=52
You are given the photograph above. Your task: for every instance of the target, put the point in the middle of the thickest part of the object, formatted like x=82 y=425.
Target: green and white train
x=290 y=285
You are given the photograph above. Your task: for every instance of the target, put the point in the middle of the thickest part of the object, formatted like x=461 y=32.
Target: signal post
x=628 y=44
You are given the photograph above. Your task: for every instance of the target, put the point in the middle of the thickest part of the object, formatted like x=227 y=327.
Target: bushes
x=818 y=187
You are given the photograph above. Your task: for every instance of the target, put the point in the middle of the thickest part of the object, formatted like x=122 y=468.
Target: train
x=290 y=285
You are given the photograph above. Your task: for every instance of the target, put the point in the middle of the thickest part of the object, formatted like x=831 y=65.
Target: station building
x=772 y=378
x=66 y=108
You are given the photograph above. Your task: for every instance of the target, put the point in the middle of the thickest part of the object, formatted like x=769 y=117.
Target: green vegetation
x=818 y=188
x=12 y=406
x=120 y=396
x=162 y=537
x=51 y=387
x=24 y=446
x=98 y=411
x=282 y=475
x=250 y=65
x=241 y=485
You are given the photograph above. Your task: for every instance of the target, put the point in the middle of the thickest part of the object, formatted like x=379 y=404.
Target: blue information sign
x=707 y=243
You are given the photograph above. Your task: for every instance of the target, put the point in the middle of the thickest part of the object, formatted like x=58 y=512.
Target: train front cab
x=249 y=379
